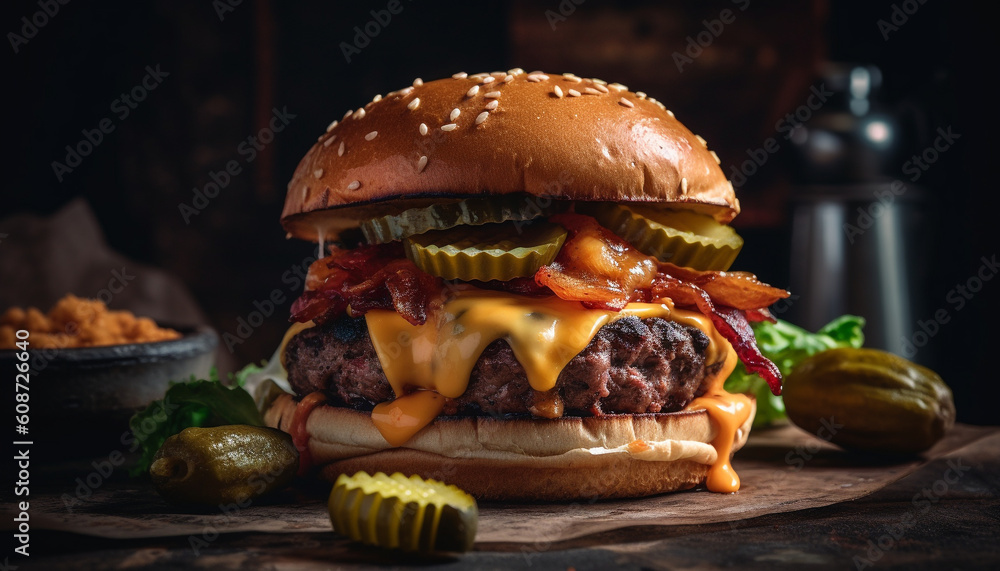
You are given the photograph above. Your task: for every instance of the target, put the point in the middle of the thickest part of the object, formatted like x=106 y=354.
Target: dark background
x=230 y=67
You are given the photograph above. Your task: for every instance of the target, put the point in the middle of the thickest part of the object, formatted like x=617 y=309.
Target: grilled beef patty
x=631 y=366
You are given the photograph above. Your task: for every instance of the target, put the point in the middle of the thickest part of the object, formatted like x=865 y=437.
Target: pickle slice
x=488 y=252
x=397 y=512
x=680 y=237
x=471 y=212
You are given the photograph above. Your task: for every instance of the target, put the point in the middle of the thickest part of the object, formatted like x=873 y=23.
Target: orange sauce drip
x=297 y=427
x=398 y=420
x=728 y=412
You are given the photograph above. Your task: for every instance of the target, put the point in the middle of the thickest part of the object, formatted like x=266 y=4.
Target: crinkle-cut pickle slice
x=470 y=212
x=680 y=237
x=397 y=512
x=488 y=252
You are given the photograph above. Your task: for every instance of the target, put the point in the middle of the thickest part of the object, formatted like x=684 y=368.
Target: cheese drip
x=543 y=333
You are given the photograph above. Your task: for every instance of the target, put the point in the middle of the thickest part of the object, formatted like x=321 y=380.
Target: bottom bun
x=570 y=458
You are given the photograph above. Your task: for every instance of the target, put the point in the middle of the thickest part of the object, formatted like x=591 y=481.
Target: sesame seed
x=478 y=76
x=493 y=105
x=360 y=113
x=600 y=87
x=591 y=91
x=498 y=74
x=652 y=99
x=626 y=102
x=716 y=157
x=318 y=173
x=460 y=75
x=449 y=127
x=413 y=104
x=422 y=163
x=490 y=79
x=331 y=126
x=305 y=193
x=618 y=87
x=572 y=77
x=515 y=71
x=701 y=140
x=377 y=98
x=371 y=135
x=534 y=78
x=418 y=82
x=288 y=235
x=508 y=79
x=329 y=141
x=598 y=81
x=492 y=95
x=640 y=94
x=423 y=129
x=684 y=186
x=669 y=112
x=540 y=75
x=482 y=117
x=472 y=91
x=320 y=138
x=340 y=150
x=348 y=113
x=573 y=93
x=558 y=91
x=405 y=91
x=454 y=114
x=354 y=185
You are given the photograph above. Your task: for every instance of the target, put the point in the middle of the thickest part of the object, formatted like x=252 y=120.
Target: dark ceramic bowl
x=82 y=398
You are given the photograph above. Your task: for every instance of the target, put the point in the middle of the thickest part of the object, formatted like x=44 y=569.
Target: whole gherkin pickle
x=223 y=464
x=411 y=514
x=876 y=401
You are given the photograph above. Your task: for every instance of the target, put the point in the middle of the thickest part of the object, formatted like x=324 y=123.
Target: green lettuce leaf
x=786 y=345
x=196 y=402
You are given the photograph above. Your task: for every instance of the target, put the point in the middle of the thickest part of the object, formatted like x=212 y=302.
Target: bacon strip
x=370 y=277
x=741 y=290
x=595 y=266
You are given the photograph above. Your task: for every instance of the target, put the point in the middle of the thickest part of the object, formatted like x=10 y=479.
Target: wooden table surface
x=945 y=515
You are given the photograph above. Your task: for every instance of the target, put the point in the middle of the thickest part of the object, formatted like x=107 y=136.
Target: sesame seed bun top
x=549 y=135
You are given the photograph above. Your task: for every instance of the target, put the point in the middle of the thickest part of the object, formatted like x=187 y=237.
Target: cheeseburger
x=522 y=291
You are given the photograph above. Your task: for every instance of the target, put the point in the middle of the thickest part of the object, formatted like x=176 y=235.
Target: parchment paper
x=782 y=470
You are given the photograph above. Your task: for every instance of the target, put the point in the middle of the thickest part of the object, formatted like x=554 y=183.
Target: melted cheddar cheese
x=437 y=358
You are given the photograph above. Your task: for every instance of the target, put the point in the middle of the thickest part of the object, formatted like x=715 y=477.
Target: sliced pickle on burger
x=397 y=512
x=469 y=212
x=489 y=252
x=681 y=237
